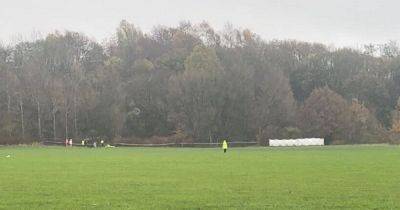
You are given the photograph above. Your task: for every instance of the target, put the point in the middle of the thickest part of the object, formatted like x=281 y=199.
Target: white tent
x=296 y=142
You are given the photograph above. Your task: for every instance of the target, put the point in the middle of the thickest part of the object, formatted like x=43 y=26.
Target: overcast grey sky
x=338 y=22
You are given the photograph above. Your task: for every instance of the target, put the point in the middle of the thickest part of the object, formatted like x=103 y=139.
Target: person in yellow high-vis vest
x=225 y=146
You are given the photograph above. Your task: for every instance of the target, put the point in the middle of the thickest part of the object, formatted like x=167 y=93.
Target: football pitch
x=331 y=177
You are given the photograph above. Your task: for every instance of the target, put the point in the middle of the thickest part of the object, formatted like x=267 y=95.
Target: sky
x=340 y=23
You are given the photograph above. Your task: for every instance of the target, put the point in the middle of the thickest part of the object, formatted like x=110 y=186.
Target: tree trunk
x=54 y=127
x=21 y=106
x=75 y=117
x=8 y=101
x=259 y=135
x=8 y=94
x=39 y=119
x=54 y=111
x=66 y=124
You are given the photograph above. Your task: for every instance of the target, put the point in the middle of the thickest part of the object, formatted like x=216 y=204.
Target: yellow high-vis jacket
x=224 y=145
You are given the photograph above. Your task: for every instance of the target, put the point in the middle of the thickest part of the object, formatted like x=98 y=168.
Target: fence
x=199 y=145
x=183 y=145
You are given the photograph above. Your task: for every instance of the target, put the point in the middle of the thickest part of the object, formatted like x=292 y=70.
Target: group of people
x=92 y=143
x=86 y=143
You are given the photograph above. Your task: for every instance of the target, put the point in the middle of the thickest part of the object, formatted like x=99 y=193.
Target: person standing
x=70 y=142
x=66 y=142
x=225 y=146
x=102 y=143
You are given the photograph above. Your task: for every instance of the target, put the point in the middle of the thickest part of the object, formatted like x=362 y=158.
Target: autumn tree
x=363 y=127
x=324 y=114
x=197 y=93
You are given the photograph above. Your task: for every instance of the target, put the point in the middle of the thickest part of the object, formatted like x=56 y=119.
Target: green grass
x=334 y=177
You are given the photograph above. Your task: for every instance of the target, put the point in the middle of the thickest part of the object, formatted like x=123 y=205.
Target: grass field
x=341 y=177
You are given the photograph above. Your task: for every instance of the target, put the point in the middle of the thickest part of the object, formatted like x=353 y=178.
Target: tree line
x=191 y=83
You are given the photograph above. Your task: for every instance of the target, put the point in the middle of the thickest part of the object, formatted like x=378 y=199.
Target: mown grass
x=334 y=177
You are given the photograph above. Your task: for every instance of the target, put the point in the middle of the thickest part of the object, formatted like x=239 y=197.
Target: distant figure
x=102 y=143
x=225 y=146
x=66 y=142
x=70 y=142
x=94 y=144
x=83 y=143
